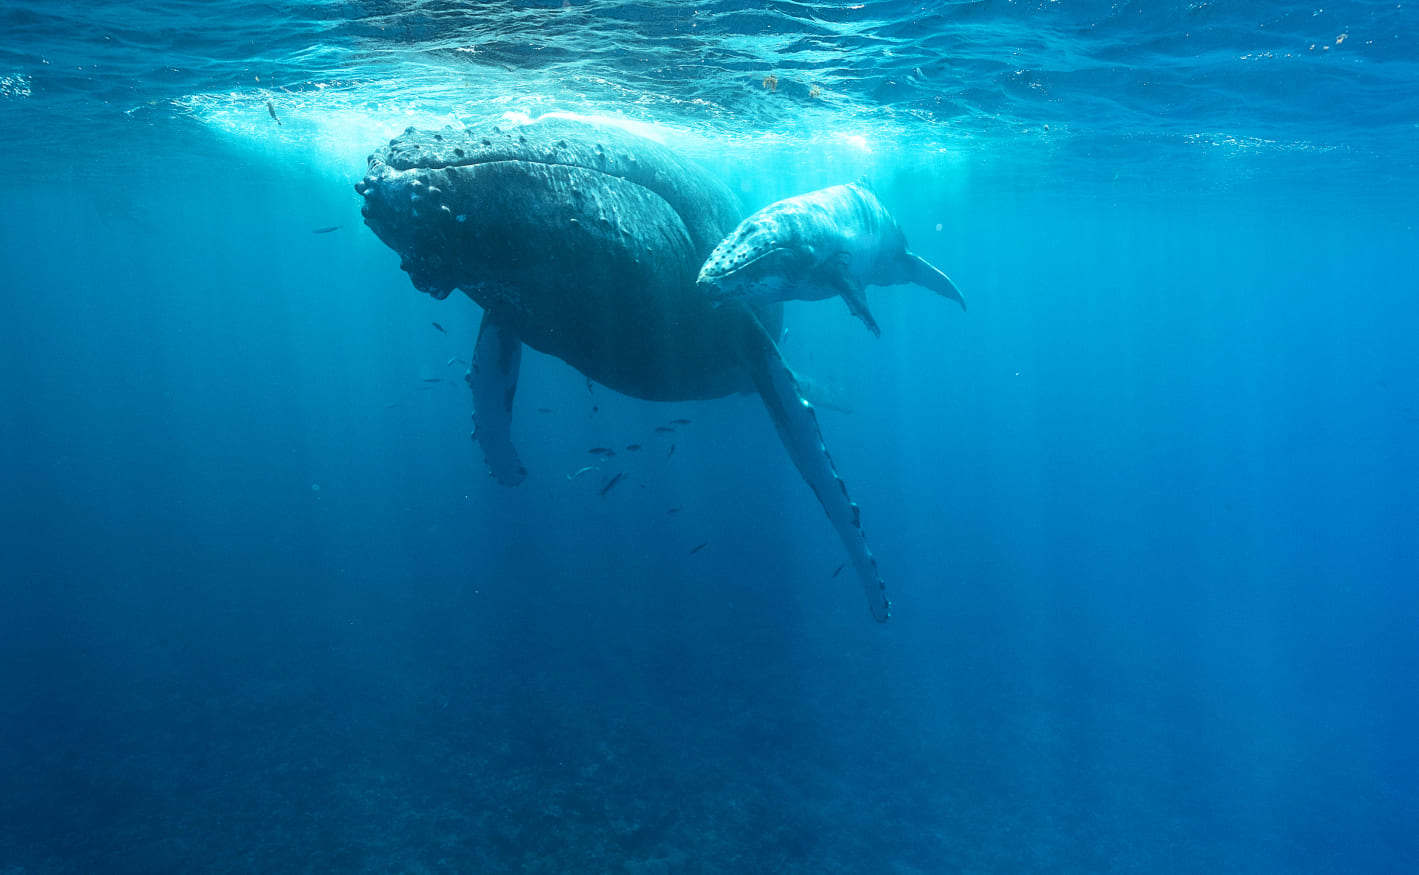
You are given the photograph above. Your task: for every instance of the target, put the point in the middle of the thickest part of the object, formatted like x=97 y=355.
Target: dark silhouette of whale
x=583 y=242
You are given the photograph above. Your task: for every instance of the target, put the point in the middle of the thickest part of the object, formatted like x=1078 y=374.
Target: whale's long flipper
x=797 y=427
x=493 y=379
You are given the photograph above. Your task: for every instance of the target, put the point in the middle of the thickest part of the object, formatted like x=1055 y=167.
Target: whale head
x=758 y=261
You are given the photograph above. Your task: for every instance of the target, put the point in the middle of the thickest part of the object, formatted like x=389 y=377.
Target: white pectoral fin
x=797 y=427
x=924 y=273
x=493 y=379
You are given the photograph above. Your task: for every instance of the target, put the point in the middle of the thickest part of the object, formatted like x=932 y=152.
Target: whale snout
x=743 y=260
x=769 y=275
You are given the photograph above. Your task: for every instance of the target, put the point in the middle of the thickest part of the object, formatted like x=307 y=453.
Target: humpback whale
x=836 y=241
x=584 y=242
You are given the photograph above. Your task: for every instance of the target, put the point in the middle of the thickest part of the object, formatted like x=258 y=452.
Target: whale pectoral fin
x=924 y=273
x=493 y=379
x=797 y=427
x=856 y=298
x=854 y=294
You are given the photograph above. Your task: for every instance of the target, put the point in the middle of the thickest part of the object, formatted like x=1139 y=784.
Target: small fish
x=544 y=410
x=663 y=429
x=271 y=108
x=699 y=548
x=602 y=451
x=631 y=448
x=452 y=360
x=389 y=406
x=433 y=379
x=839 y=569
x=439 y=327
x=672 y=451
x=327 y=229
x=594 y=408
x=581 y=471
x=679 y=422
x=611 y=484
x=673 y=510
x=588 y=385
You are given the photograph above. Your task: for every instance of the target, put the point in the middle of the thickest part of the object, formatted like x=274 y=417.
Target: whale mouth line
x=734 y=270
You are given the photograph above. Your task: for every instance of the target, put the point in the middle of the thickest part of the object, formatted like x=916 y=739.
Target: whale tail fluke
x=924 y=273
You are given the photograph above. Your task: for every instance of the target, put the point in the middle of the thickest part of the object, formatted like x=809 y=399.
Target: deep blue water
x=1147 y=513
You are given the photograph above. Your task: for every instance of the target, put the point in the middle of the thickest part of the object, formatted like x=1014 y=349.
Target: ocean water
x=1146 y=513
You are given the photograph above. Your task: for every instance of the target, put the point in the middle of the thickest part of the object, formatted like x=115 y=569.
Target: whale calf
x=836 y=241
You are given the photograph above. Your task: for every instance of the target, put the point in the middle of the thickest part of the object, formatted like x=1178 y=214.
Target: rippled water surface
x=1135 y=81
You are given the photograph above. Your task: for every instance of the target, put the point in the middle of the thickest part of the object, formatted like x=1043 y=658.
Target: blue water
x=1147 y=513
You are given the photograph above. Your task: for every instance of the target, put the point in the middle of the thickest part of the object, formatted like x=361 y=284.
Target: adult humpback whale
x=836 y=241
x=583 y=242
